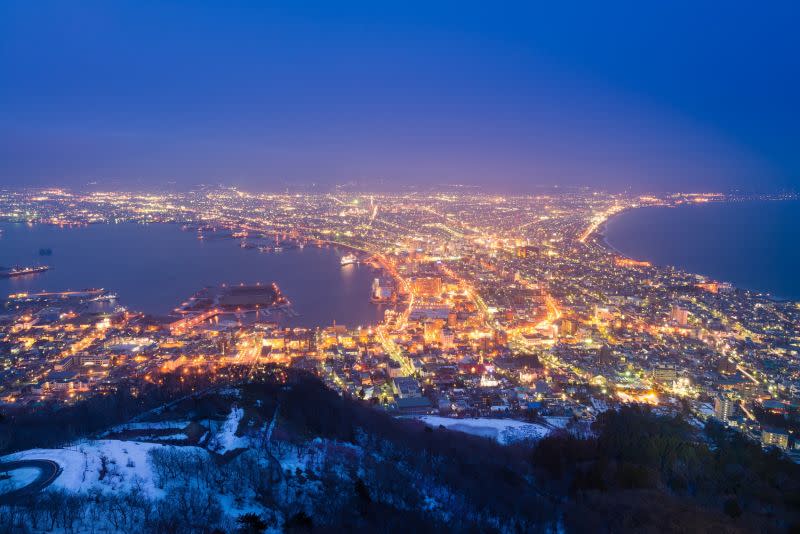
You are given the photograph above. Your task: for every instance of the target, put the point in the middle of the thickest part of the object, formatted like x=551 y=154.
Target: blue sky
x=510 y=96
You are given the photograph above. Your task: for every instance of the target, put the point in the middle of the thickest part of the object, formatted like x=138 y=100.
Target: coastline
x=217 y=262
x=600 y=236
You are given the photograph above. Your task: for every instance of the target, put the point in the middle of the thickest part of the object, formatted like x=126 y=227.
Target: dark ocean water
x=153 y=268
x=754 y=245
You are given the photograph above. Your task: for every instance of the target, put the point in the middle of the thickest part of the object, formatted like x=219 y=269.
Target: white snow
x=126 y=465
x=706 y=410
x=504 y=431
x=225 y=439
x=19 y=478
x=599 y=406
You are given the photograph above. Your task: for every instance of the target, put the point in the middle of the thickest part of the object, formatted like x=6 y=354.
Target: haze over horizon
x=618 y=97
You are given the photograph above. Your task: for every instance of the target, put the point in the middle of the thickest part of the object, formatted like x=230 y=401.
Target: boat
x=22 y=271
x=105 y=296
x=349 y=259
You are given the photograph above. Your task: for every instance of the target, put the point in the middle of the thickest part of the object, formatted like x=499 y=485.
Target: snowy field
x=105 y=465
x=112 y=465
x=504 y=431
x=19 y=478
x=224 y=438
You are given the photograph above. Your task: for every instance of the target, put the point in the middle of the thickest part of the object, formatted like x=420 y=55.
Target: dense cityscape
x=493 y=307
x=398 y=267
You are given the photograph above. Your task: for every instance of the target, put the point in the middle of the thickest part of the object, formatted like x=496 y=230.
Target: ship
x=349 y=259
x=22 y=271
x=104 y=296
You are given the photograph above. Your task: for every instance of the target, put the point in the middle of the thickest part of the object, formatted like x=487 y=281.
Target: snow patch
x=504 y=431
x=225 y=439
x=19 y=478
x=105 y=465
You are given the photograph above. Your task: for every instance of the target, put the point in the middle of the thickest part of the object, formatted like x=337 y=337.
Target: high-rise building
x=723 y=408
x=447 y=338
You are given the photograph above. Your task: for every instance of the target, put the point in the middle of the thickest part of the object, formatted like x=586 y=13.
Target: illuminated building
x=723 y=408
x=405 y=387
x=679 y=316
x=428 y=286
x=665 y=374
x=774 y=437
x=446 y=337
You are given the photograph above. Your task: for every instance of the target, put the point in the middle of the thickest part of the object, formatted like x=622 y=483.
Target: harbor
x=11 y=272
x=154 y=268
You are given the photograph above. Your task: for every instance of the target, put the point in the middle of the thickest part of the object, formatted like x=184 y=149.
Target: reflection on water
x=153 y=268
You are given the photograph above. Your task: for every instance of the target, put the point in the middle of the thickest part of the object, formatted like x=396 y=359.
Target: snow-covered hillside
x=282 y=454
x=224 y=438
x=103 y=465
x=18 y=478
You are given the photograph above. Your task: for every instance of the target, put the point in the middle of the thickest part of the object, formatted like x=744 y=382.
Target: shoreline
x=230 y=245
x=600 y=236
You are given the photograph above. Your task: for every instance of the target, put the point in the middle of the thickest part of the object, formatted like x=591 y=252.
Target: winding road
x=48 y=472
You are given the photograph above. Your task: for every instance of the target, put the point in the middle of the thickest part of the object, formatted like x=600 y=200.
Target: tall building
x=447 y=338
x=723 y=408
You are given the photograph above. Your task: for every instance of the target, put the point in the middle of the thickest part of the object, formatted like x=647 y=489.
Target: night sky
x=264 y=95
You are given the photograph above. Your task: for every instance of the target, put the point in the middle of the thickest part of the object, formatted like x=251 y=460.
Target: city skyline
x=399 y=267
